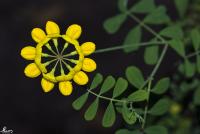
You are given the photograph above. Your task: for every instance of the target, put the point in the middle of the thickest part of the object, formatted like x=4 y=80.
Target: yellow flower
x=59 y=58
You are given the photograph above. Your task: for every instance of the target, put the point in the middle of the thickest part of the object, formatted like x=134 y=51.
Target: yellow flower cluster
x=37 y=54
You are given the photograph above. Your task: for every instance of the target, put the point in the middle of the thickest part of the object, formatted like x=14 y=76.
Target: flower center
x=59 y=57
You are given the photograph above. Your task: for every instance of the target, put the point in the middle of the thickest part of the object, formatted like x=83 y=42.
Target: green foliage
x=128 y=115
x=139 y=95
x=78 y=103
x=113 y=24
x=195 y=36
x=181 y=36
x=122 y=5
x=133 y=38
x=96 y=81
x=158 y=16
x=141 y=6
x=92 y=110
x=151 y=55
x=126 y=131
x=181 y=6
x=134 y=76
x=189 y=68
x=109 y=116
x=198 y=63
x=161 y=86
x=120 y=86
x=174 y=32
x=178 y=46
x=108 y=84
x=160 y=108
x=196 y=98
x=156 y=130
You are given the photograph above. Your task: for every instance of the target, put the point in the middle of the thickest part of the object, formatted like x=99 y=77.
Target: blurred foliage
x=147 y=105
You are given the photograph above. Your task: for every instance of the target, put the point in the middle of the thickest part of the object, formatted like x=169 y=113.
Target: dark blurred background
x=24 y=107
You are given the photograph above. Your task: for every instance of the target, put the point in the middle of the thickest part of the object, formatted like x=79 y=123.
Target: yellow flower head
x=59 y=58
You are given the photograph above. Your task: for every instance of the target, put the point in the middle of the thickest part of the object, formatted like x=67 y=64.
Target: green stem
x=156 y=67
x=145 y=26
x=127 y=46
x=192 y=54
x=147 y=105
x=106 y=98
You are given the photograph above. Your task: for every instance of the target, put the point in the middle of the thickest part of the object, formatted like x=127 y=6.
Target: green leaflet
x=174 y=32
x=109 y=116
x=139 y=95
x=108 y=83
x=178 y=46
x=189 y=68
x=112 y=25
x=92 y=110
x=161 y=86
x=160 y=108
x=196 y=98
x=96 y=81
x=120 y=86
x=156 y=130
x=133 y=38
x=158 y=16
x=128 y=115
x=181 y=6
x=123 y=131
x=134 y=76
x=143 y=6
x=151 y=55
x=79 y=102
x=122 y=5
x=126 y=131
x=198 y=63
x=195 y=35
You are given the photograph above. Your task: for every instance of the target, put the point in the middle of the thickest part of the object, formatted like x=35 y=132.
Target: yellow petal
x=65 y=88
x=46 y=85
x=32 y=70
x=80 y=78
x=38 y=35
x=52 y=28
x=89 y=65
x=28 y=53
x=88 y=48
x=74 y=31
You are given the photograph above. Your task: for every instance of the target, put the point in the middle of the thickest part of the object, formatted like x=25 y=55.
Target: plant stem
x=106 y=98
x=147 y=105
x=127 y=46
x=145 y=26
x=192 y=54
x=156 y=67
